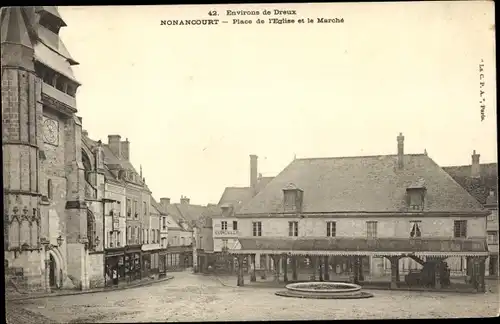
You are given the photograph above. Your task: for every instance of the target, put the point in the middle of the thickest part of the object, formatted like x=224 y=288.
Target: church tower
x=21 y=138
x=45 y=214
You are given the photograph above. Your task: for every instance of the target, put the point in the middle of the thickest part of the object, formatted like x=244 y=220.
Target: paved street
x=190 y=297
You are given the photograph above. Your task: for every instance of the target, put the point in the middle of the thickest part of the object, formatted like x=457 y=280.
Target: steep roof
x=15 y=26
x=236 y=196
x=478 y=187
x=363 y=184
x=262 y=182
x=158 y=207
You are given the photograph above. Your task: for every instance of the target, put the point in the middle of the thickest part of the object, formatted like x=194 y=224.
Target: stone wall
x=96 y=270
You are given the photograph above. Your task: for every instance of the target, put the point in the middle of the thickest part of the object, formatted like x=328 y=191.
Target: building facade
x=349 y=214
x=481 y=181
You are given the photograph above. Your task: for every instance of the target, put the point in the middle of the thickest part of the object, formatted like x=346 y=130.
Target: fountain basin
x=324 y=290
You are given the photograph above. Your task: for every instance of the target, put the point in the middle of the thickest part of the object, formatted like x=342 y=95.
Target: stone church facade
x=51 y=205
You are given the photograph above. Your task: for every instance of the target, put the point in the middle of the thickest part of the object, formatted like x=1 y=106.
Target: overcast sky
x=195 y=101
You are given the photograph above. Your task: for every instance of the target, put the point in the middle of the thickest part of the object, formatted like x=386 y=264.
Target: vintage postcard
x=249 y=162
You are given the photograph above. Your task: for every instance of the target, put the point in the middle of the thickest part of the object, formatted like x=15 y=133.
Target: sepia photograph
x=249 y=162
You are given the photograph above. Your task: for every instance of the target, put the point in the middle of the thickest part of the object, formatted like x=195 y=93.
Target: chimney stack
x=126 y=149
x=115 y=145
x=164 y=202
x=253 y=171
x=401 y=150
x=476 y=167
x=85 y=133
x=184 y=200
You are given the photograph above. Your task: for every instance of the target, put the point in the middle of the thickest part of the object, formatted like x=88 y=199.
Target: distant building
x=224 y=224
x=481 y=181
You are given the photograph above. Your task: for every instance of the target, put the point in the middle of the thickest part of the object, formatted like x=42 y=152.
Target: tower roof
x=51 y=10
x=15 y=27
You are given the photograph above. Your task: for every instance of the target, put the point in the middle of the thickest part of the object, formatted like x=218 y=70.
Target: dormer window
x=415 y=229
x=292 y=198
x=227 y=210
x=416 y=195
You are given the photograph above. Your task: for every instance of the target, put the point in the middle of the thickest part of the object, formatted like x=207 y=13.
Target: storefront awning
x=361 y=246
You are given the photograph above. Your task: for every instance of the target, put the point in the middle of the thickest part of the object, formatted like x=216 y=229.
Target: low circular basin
x=324 y=290
x=324 y=287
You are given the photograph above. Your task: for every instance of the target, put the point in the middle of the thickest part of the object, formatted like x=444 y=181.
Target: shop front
x=133 y=263
x=115 y=266
x=162 y=263
x=146 y=264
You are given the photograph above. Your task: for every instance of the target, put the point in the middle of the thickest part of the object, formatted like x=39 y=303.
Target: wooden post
x=327 y=268
x=320 y=268
x=285 y=268
x=294 y=268
x=314 y=265
x=240 y=271
x=394 y=271
x=482 y=273
x=276 y=260
x=263 y=275
x=437 y=274
x=253 y=278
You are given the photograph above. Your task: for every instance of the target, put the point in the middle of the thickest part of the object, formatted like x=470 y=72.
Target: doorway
x=52 y=272
x=493 y=268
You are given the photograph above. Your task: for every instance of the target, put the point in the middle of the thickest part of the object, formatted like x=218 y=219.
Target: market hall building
x=357 y=212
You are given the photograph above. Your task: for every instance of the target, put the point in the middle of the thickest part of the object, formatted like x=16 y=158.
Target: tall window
x=143 y=235
x=157 y=236
x=129 y=235
x=224 y=244
x=91 y=231
x=144 y=210
x=293 y=228
x=164 y=220
x=152 y=236
x=331 y=229
x=460 y=229
x=136 y=209
x=492 y=237
x=371 y=229
x=415 y=229
x=129 y=208
x=110 y=239
x=257 y=228
x=49 y=189
x=118 y=234
x=235 y=225
x=223 y=225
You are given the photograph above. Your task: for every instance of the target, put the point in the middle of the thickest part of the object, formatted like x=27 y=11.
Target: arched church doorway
x=52 y=272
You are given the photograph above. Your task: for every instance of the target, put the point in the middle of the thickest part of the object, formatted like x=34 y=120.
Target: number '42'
x=212 y=13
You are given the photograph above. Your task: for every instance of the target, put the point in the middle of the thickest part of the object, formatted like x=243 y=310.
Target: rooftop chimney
x=115 y=145
x=475 y=170
x=184 y=200
x=253 y=171
x=401 y=150
x=85 y=133
x=126 y=149
x=491 y=200
x=165 y=202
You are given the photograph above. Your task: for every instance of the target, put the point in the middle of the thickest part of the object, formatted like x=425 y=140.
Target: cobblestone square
x=190 y=297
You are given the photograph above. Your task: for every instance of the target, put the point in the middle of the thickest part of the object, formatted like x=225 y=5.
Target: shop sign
x=226 y=233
